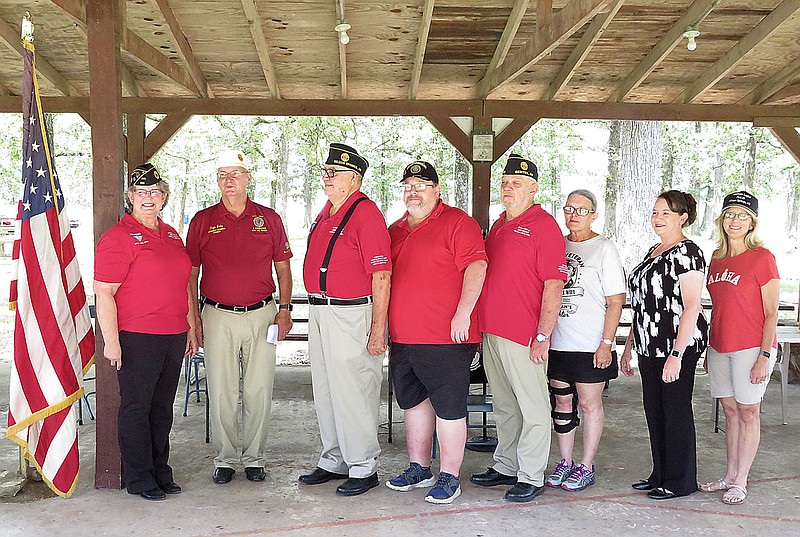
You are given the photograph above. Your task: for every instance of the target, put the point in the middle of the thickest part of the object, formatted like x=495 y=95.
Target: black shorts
x=436 y=372
x=569 y=366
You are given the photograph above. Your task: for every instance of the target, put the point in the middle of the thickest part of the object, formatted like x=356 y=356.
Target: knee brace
x=571 y=418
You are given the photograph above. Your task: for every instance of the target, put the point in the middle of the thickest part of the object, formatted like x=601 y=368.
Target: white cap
x=230 y=158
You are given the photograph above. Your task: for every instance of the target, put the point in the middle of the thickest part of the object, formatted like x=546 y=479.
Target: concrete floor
x=281 y=506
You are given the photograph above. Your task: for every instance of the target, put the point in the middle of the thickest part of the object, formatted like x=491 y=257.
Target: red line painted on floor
x=618 y=498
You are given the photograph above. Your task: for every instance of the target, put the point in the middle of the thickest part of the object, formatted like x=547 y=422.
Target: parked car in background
x=7 y=225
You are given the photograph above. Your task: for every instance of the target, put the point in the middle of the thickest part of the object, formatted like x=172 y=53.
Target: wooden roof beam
x=544 y=14
x=789 y=139
x=593 y=32
x=165 y=130
x=422 y=43
x=453 y=133
x=11 y=38
x=262 y=47
x=757 y=35
x=772 y=84
x=512 y=134
x=698 y=11
x=509 y=32
x=184 y=48
x=137 y=47
x=786 y=93
x=565 y=23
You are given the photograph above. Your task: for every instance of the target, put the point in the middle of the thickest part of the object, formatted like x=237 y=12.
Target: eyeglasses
x=235 y=174
x=581 y=211
x=739 y=216
x=331 y=172
x=153 y=193
x=419 y=187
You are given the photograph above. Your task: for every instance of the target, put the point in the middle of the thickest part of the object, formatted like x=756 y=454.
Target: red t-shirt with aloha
x=737 y=314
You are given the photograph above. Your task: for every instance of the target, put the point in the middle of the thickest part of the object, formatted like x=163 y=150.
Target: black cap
x=741 y=199
x=344 y=155
x=421 y=170
x=517 y=165
x=145 y=175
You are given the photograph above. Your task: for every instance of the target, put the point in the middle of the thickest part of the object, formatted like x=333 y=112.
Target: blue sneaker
x=579 y=479
x=446 y=489
x=414 y=477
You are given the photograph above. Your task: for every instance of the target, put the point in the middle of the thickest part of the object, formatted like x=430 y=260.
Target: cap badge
x=523 y=165
x=415 y=168
x=345 y=157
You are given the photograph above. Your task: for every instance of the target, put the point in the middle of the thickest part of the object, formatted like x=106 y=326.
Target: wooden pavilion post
x=481 y=177
x=103 y=26
x=135 y=136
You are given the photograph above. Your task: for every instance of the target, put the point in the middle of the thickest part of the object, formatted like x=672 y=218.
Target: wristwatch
x=541 y=338
x=765 y=354
x=607 y=341
x=676 y=354
x=288 y=307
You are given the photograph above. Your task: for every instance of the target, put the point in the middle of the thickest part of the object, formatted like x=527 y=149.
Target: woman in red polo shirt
x=744 y=286
x=141 y=292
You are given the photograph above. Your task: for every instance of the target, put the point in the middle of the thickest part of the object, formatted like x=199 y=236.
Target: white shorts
x=729 y=374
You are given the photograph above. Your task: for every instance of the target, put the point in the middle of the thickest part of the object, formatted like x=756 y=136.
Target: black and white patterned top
x=656 y=300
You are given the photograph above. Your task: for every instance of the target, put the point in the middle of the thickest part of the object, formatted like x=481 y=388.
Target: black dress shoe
x=319 y=476
x=357 y=485
x=660 y=493
x=170 y=488
x=492 y=477
x=255 y=473
x=223 y=475
x=523 y=492
x=644 y=484
x=155 y=494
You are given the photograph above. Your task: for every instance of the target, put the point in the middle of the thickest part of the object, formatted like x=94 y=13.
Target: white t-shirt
x=594 y=271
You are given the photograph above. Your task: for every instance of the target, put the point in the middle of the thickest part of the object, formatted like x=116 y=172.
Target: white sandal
x=715 y=486
x=735 y=495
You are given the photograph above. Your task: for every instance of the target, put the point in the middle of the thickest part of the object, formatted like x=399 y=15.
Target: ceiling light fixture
x=691 y=34
x=342 y=27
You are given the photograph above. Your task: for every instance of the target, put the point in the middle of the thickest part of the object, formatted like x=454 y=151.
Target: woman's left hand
x=759 y=372
x=672 y=370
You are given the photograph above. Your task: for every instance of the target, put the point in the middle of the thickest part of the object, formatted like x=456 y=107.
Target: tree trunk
x=639 y=183
x=184 y=193
x=612 y=182
x=461 y=171
x=750 y=161
x=794 y=213
x=668 y=163
x=282 y=177
x=712 y=197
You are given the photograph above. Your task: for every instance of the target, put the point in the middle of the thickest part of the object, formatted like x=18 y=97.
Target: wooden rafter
x=786 y=93
x=511 y=134
x=509 y=32
x=566 y=22
x=695 y=13
x=789 y=139
x=10 y=37
x=422 y=43
x=137 y=48
x=593 y=32
x=262 y=47
x=772 y=84
x=721 y=67
x=184 y=48
x=453 y=133
x=165 y=130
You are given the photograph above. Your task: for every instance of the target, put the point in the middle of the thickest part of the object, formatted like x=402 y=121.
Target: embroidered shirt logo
x=522 y=231
x=139 y=239
x=379 y=260
x=173 y=235
x=216 y=228
x=258 y=221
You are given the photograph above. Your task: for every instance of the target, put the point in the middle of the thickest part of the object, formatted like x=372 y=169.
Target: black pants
x=148 y=380
x=670 y=421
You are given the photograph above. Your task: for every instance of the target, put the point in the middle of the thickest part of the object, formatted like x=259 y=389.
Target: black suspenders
x=323 y=270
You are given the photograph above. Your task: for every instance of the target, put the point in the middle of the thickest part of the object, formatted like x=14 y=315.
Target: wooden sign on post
x=482 y=146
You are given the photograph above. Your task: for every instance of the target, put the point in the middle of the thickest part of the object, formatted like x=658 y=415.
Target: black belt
x=327 y=301
x=238 y=309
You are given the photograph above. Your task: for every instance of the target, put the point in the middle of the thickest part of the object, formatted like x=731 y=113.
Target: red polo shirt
x=361 y=249
x=428 y=275
x=153 y=270
x=236 y=253
x=523 y=253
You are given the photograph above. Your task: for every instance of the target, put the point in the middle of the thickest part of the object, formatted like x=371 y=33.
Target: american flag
x=53 y=337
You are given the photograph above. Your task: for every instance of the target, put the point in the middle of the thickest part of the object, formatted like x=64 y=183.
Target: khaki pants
x=521 y=407
x=347 y=383
x=225 y=333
